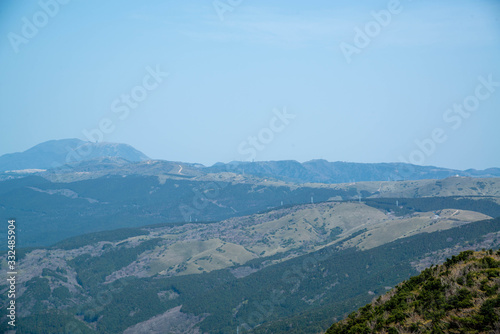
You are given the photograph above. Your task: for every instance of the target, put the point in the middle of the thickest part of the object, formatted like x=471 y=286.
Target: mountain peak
x=55 y=153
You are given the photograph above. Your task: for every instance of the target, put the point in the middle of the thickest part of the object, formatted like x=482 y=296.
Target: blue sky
x=228 y=79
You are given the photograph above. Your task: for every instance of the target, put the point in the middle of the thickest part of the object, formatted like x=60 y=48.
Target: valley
x=250 y=167
x=131 y=197
x=272 y=264
x=108 y=245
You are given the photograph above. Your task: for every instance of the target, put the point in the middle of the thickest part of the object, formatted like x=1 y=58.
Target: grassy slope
x=198 y=299
x=395 y=257
x=327 y=284
x=48 y=212
x=460 y=296
x=285 y=233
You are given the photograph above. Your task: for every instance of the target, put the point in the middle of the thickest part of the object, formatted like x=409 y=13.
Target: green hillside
x=48 y=211
x=460 y=296
x=265 y=295
x=284 y=268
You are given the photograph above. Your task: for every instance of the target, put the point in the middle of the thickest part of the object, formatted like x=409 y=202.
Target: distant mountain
x=119 y=159
x=460 y=296
x=322 y=171
x=55 y=153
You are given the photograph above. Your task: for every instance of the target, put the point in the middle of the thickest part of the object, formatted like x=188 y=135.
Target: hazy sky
x=361 y=81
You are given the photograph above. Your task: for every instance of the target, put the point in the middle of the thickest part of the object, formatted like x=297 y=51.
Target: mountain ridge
x=67 y=155
x=56 y=153
x=323 y=171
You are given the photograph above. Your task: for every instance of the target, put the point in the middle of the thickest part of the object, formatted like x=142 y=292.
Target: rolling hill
x=49 y=211
x=292 y=269
x=117 y=243
x=460 y=296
